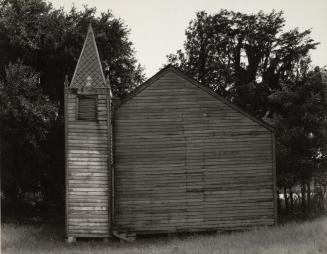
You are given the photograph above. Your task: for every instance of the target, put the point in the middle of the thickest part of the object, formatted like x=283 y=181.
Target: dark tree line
x=252 y=61
x=39 y=45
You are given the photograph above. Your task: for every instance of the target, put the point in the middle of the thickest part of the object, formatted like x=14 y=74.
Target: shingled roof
x=88 y=72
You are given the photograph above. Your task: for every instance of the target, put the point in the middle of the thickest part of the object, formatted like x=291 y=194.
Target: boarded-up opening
x=87 y=108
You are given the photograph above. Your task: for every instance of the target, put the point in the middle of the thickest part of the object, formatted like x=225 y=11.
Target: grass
x=305 y=237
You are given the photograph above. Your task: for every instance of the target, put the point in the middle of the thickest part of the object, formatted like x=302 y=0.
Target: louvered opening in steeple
x=87 y=108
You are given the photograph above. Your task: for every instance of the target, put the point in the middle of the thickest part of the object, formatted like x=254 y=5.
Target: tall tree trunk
x=278 y=201
x=286 y=199
x=303 y=196
x=321 y=198
x=308 y=195
x=291 y=201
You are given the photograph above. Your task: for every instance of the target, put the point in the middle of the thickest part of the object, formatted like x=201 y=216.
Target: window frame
x=85 y=96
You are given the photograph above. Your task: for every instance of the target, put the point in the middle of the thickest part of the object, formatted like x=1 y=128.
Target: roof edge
x=141 y=87
x=199 y=85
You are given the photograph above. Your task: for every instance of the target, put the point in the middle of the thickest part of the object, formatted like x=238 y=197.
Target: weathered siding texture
x=186 y=161
x=87 y=172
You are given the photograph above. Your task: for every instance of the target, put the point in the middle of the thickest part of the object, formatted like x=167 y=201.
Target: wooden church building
x=172 y=157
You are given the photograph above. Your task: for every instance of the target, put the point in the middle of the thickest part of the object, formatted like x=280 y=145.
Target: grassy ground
x=306 y=237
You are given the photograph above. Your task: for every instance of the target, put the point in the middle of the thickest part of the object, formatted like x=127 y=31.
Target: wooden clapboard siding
x=88 y=181
x=187 y=161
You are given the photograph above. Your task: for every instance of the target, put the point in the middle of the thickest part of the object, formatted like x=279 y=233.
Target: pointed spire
x=89 y=71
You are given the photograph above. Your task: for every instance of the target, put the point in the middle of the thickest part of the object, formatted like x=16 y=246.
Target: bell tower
x=88 y=147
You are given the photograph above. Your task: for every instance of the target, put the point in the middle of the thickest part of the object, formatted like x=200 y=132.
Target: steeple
x=88 y=72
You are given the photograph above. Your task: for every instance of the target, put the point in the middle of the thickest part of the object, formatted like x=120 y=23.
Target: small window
x=87 y=108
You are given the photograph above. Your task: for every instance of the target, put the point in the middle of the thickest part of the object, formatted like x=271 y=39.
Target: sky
x=157 y=27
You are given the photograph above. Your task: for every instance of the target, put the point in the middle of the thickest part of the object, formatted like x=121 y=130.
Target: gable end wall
x=186 y=161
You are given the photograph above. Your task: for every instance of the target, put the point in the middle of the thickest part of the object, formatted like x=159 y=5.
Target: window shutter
x=87 y=108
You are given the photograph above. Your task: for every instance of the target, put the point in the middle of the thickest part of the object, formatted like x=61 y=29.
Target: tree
x=26 y=117
x=243 y=57
x=300 y=125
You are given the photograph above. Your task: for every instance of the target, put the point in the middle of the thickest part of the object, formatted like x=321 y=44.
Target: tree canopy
x=300 y=128
x=243 y=56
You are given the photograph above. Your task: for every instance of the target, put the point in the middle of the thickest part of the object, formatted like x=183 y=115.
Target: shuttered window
x=87 y=108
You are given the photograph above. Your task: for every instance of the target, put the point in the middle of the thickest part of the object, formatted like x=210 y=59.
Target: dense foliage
x=249 y=59
x=243 y=57
x=27 y=116
x=39 y=45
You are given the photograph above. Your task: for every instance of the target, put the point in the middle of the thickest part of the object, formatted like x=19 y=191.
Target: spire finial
x=107 y=73
x=66 y=83
x=108 y=81
x=89 y=29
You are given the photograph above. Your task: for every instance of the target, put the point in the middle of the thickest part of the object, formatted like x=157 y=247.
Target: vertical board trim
x=66 y=157
x=273 y=139
x=109 y=137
